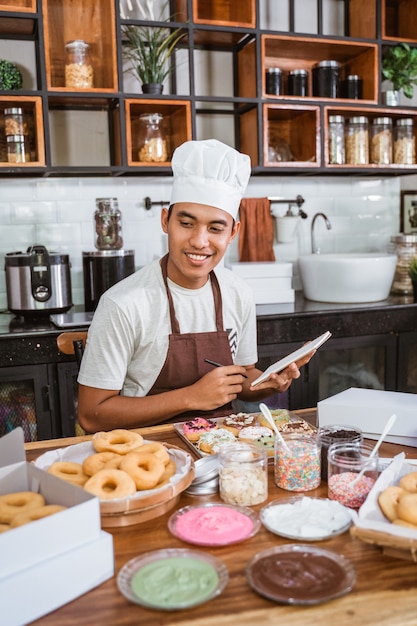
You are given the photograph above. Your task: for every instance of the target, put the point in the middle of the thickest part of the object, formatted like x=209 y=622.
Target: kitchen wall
x=58 y=213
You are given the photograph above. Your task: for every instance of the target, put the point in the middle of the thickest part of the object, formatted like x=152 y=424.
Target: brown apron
x=184 y=363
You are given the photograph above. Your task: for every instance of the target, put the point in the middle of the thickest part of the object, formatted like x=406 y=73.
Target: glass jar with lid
x=17 y=149
x=78 y=67
x=405 y=247
x=381 y=141
x=404 y=142
x=336 y=139
x=152 y=141
x=108 y=224
x=14 y=122
x=357 y=140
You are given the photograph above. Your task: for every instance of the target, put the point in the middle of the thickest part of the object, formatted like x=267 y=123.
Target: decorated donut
x=210 y=442
x=120 y=441
x=145 y=469
x=31 y=515
x=409 y=482
x=101 y=460
x=388 y=501
x=108 y=484
x=236 y=421
x=69 y=471
x=13 y=503
x=192 y=429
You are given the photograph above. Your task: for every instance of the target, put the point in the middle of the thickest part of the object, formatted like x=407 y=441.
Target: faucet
x=314 y=248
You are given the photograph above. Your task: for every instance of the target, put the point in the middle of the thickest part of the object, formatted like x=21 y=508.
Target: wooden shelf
x=26 y=6
x=32 y=109
x=232 y=13
x=399 y=20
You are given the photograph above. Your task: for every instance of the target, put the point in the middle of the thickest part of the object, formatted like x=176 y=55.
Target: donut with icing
x=237 y=421
x=192 y=429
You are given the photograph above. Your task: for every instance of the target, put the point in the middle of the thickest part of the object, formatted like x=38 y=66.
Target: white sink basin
x=349 y=278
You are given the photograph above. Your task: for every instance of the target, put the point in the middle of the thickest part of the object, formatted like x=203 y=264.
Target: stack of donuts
x=399 y=502
x=21 y=507
x=122 y=465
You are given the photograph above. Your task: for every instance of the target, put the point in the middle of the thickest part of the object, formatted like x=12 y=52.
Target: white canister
x=286 y=228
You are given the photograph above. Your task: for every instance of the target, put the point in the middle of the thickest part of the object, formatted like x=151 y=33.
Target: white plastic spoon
x=375 y=449
x=268 y=416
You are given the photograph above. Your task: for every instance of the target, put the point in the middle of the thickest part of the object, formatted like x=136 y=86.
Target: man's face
x=198 y=236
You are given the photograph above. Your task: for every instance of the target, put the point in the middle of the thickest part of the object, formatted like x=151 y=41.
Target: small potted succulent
x=412 y=272
x=399 y=66
x=10 y=76
x=148 y=49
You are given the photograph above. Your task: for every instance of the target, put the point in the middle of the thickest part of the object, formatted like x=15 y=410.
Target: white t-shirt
x=128 y=338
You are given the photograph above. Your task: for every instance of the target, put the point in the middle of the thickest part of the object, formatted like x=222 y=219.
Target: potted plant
x=399 y=66
x=10 y=76
x=148 y=49
x=412 y=272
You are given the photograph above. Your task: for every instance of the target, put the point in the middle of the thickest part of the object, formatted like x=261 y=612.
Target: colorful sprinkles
x=340 y=489
x=298 y=469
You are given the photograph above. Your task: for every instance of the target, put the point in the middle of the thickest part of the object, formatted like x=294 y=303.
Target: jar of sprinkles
x=297 y=463
x=345 y=462
x=336 y=433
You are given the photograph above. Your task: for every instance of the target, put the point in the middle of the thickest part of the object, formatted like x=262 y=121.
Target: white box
x=67 y=549
x=369 y=410
x=270 y=282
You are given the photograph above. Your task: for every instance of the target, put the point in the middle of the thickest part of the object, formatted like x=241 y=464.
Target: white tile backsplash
x=58 y=213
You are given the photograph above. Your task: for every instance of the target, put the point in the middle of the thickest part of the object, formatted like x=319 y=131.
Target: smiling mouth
x=197 y=257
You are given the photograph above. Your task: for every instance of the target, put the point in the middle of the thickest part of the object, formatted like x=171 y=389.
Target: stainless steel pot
x=38 y=282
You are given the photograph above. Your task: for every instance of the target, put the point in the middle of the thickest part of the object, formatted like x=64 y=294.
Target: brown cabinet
x=234 y=40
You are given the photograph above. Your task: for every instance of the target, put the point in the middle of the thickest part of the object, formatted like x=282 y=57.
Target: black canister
x=273 y=81
x=352 y=87
x=326 y=79
x=298 y=83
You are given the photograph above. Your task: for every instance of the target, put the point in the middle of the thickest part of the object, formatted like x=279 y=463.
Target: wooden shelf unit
x=33 y=112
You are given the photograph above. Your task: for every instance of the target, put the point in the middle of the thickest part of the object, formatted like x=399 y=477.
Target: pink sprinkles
x=339 y=488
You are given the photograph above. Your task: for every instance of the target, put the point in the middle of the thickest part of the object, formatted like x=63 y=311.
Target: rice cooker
x=38 y=282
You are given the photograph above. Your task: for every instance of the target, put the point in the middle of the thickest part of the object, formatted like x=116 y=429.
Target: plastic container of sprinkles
x=345 y=462
x=297 y=464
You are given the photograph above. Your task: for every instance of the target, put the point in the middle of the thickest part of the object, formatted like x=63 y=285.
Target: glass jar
x=298 y=83
x=336 y=139
x=153 y=147
x=243 y=474
x=297 y=463
x=14 y=122
x=404 y=142
x=108 y=224
x=381 y=141
x=78 y=67
x=345 y=462
x=17 y=149
x=326 y=79
x=357 y=140
x=405 y=247
x=336 y=433
x=352 y=87
x=273 y=81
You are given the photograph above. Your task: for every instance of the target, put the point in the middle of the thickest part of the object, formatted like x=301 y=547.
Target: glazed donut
x=111 y=483
x=409 y=482
x=407 y=508
x=69 y=471
x=34 y=514
x=145 y=469
x=157 y=449
x=120 y=441
x=388 y=501
x=170 y=470
x=101 y=460
x=13 y=503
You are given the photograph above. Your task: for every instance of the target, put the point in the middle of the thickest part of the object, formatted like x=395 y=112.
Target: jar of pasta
x=357 y=140
x=404 y=142
x=336 y=139
x=14 y=122
x=17 y=149
x=381 y=141
x=152 y=141
x=78 y=67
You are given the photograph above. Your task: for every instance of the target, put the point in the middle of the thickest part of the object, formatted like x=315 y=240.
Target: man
x=145 y=359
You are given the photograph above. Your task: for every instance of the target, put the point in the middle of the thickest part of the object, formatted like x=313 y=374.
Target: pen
x=219 y=365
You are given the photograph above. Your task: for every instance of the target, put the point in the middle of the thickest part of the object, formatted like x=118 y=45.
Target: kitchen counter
x=385 y=592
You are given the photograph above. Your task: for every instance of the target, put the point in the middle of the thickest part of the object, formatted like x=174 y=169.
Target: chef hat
x=210 y=172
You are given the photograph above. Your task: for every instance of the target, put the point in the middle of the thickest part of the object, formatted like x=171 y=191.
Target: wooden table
x=385 y=592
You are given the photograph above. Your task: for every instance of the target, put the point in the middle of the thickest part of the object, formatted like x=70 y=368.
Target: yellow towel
x=256 y=237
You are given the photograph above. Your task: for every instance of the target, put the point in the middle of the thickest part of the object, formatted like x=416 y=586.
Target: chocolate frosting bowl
x=300 y=574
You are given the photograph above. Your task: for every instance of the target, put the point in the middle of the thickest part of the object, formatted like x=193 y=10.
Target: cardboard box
x=270 y=282
x=369 y=410
x=54 y=559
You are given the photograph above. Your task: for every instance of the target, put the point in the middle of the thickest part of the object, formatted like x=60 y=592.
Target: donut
x=280 y=417
x=210 y=442
x=237 y=421
x=13 y=503
x=409 y=482
x=69 y=471
x=32 y=515
x=111 y=483
x=407 y=508
x=250 y=433
x=120 y=441
x=101 y=460
x=144 y=468
x=401 y=522
x=388 y=501
x=170 y=469
x=266 y=442
x=192 y=429
x=157 y=449
x=4 y=527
